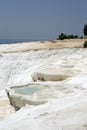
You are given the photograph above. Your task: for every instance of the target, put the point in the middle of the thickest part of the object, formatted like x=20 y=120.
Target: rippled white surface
x=67 y=104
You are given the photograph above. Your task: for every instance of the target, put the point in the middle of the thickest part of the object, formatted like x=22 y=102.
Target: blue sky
x=41 y=19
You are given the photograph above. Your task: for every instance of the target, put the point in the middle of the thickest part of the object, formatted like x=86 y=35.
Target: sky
x=41 y=19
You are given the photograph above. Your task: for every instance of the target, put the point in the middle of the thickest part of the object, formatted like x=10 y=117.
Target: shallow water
x=27 y=90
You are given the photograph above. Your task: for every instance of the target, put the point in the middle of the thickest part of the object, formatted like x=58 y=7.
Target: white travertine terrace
x=66 y=97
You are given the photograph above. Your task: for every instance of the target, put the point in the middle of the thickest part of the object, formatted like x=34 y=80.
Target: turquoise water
x=27 y=90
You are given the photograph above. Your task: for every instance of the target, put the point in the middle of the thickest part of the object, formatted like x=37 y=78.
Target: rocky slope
x=63 y=71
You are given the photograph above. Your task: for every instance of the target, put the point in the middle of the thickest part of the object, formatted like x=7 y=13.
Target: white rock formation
x=66 y=106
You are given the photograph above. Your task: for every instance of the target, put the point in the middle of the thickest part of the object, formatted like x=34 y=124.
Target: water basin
x=27 y=90
x=21 y=95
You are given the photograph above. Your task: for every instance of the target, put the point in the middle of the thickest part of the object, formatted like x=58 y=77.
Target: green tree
x=85 y=30
x=62 y=36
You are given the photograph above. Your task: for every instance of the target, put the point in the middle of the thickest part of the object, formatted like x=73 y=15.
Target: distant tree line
x=63 y=36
